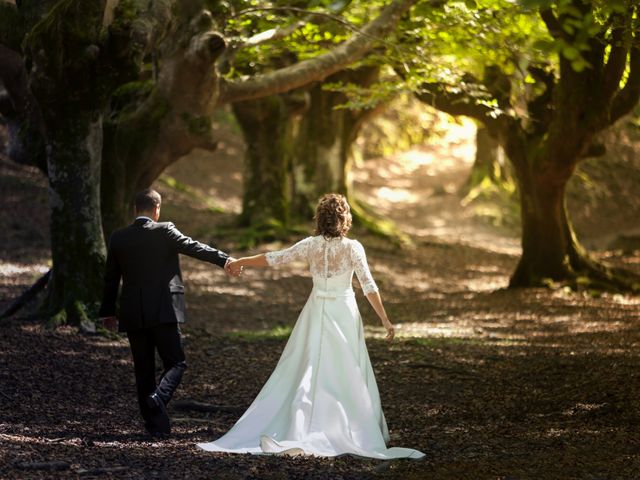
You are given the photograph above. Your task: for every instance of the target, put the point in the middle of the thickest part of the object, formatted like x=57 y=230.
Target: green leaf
x=570 y=52
x=579 y=64
x=544 y=45
x=571 y=10
x=536 y=3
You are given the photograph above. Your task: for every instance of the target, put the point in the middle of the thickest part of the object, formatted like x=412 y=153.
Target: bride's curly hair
x=333 y=216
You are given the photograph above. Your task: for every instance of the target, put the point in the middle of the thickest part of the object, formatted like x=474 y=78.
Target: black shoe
x=154 y=433
x=161 y=424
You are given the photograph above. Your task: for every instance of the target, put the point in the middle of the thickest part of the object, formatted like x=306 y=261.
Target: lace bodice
x=329 y=258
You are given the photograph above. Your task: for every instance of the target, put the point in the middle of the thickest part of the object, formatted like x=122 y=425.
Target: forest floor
x=490 y=383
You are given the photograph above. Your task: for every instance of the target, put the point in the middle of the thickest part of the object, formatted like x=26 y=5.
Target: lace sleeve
x=360 y=265
x=297 y=251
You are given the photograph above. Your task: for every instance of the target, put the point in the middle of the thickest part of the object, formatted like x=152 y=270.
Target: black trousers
x=167 y=340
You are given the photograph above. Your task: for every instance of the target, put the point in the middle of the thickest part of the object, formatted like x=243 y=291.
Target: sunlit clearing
x=417 y=329
x=9 y=269
x=396 y=195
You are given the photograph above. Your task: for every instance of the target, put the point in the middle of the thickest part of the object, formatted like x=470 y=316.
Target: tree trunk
x=115 y=187
x=545 y=245
x=155 y=123
x=323 y=146
x=131 y=148
x=488 y=163
x=77 y=244
x=266 y=128
x=321 y=152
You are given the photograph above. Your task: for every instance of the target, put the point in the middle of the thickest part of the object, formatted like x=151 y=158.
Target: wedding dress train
x=322 y=398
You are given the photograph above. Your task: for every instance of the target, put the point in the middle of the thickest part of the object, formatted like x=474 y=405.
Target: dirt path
x=419 y=191
x=488 y=383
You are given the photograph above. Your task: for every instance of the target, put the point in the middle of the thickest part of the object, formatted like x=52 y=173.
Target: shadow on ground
x=488 y=382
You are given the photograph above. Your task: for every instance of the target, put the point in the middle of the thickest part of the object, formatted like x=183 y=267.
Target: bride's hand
x=391 y=332
x=233 y=267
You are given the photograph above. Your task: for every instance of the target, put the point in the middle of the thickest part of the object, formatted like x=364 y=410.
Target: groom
x=145 y=256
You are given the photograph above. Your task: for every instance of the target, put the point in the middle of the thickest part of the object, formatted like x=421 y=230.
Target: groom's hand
x=110 y=323
x=232 y=268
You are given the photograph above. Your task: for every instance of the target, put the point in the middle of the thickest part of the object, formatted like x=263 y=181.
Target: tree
x=488 y=164
x=326 y=133
x=546 y=102
x=267 y=127
x=75 y=53
x=149 y=69
x=302 y=149
x=159 y=122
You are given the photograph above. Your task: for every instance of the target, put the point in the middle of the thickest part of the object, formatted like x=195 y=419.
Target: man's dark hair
x=147 y=200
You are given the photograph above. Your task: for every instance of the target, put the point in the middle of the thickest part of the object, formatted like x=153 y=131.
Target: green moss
x=57 y=319
x=129 y=131
x=266 y=231
x=125 y=13
x=133 y=90
x=171 y=182
x=495 y=200
x=197 y=125
x=276 y=333
x=384 y=228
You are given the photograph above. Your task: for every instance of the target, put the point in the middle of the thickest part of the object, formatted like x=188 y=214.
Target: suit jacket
x=145 y=256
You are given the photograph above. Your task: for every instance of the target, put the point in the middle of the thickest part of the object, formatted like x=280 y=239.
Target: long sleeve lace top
x=328 y=258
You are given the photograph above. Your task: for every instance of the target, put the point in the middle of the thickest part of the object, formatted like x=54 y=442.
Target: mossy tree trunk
x=63 y=50
x=155 y=122
x=266 y=127
x=488 y=164
x=572 y=106
x=78 y=54
x=323 y=149
x=76 y=59
x=546 y=232
x=77 y=245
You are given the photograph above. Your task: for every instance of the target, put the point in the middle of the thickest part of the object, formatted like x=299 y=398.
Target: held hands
x=391 y=332
x=233 y=267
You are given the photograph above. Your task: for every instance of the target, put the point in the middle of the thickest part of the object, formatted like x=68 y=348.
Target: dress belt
x=332 y=294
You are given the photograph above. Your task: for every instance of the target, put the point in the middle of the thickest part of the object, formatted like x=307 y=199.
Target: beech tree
x=117 y=90
x=299 y=142
x=544 y=78
x=487 y=164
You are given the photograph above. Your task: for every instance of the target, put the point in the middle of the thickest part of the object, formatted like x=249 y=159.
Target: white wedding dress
x=322 y=398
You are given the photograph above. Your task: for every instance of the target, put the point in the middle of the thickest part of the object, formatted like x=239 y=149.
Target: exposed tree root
x=582 y=272
x=381 y=227
x=27 y=296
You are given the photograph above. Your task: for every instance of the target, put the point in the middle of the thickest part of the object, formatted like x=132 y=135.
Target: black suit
x=145 y=256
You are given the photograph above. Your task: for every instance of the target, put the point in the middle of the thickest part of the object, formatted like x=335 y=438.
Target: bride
x=322 y=398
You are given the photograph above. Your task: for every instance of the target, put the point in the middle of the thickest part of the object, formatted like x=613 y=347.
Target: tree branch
x=552 y=23
x=459 y=103
x=614 y=69
x=594 y=150
x=315 y=69
x=539 y=108
x=308 y=17
x=628 y=97
x=175 y=117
